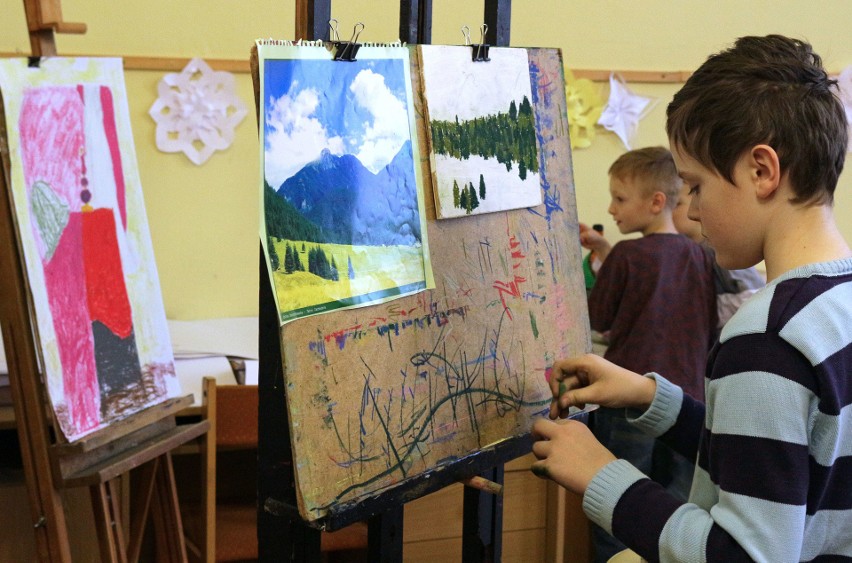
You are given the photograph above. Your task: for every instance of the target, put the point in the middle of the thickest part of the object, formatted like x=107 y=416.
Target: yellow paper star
x=585 y=105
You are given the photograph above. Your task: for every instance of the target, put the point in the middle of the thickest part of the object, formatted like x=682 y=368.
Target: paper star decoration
x=197 y=111
x=584 y=105
x=844 y=83
x=624 y=109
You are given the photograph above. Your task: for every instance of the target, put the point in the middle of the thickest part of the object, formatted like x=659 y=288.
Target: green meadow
x=375 y=268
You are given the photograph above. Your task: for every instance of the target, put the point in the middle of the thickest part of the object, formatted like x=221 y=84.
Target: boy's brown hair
x=764 y=90
x=653 y=168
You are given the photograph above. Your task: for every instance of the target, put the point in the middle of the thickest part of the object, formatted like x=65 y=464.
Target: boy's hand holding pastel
x=568 y=453
x=590 y=379
x=593 y=240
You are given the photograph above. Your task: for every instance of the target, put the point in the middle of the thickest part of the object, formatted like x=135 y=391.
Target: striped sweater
x=773 y=480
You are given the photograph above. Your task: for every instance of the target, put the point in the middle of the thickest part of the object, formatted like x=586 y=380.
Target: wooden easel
x=282 y=535
x=143 y=440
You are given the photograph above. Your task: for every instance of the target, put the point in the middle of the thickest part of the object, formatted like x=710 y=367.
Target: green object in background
x=587 y=272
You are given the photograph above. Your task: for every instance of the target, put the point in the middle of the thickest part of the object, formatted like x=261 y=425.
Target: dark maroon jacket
x=656 y=297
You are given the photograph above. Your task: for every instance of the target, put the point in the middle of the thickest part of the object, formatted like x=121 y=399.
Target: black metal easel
x=282 y=534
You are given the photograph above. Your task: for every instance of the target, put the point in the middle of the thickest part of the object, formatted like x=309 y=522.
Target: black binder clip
x=479 y=51
x=34 y=62
x=346 y=50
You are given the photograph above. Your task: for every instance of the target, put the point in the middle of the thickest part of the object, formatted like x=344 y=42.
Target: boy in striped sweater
x=760 y=136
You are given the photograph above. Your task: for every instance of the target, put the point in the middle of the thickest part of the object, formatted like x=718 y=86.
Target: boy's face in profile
x=630 y=206
x=727 y=212
x=682 y=222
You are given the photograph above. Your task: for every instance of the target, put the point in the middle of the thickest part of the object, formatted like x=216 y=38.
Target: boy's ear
x=658 y=201
x=765 y=170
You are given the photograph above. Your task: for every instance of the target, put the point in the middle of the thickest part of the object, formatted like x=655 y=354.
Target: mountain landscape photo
x=348 y=204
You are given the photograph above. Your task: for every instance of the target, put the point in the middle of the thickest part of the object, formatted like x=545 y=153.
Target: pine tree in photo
x=333 y=274
x=481 y=187
x=463 y=198
x=456 y=200
x=318 y=263
x=312 y=261
x=298 y=266
x=289 y=263
x=274 y=262
x=325 y=265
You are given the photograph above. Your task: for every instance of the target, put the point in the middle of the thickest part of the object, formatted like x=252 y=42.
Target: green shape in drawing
x=533 y=324
x=51 y=215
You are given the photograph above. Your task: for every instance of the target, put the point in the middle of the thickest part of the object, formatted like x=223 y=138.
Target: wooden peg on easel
x=44 y=19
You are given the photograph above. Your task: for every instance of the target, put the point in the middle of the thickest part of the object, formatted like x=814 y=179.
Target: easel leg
x=107 y=522
x=384 y=536
x=168 y=527
x=140 y=501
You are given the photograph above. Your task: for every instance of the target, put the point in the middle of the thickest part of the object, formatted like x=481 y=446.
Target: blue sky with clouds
x=357 y=108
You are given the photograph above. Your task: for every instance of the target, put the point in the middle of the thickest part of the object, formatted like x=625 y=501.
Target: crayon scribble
x=385 y=327
x=442 y=391
x=511 y=287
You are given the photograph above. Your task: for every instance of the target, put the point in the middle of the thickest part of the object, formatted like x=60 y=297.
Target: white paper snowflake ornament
x=624 y=109
x=844 y=83
x=197 y=111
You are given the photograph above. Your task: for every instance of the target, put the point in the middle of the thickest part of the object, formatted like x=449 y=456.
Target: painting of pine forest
x=342 y=216
x=484 y=152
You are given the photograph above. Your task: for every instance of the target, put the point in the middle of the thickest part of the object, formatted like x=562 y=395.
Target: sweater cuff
x=605 y=490
x=662 y=414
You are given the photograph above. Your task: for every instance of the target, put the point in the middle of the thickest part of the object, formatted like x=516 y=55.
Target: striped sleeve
x=674 y=417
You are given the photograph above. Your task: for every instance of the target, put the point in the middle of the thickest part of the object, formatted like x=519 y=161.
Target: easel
x=282 y=535
x=143 y=440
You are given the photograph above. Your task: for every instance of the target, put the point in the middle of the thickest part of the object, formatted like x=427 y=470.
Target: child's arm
x=733 y=516
x=593 y=240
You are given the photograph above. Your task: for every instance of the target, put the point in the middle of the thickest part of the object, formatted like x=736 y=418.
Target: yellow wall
x=204 y=218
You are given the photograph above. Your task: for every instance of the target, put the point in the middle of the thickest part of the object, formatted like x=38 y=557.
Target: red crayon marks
x=511 y=288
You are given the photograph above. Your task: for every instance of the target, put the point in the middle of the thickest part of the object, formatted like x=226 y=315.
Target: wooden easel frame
x=143 y=440
x=282 y=535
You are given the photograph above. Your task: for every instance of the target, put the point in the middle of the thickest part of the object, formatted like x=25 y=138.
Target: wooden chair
x=223 y=525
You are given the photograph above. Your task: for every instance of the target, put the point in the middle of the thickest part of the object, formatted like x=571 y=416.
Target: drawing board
x=379 y=397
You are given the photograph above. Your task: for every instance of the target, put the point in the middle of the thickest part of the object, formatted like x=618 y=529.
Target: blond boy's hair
x=653 y=169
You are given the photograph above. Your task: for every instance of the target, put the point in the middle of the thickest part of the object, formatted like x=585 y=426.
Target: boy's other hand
x=593 y=240
x=568 y=453
x=590 y=379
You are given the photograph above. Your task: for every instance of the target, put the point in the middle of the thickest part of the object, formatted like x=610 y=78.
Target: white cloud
x=293 y=137
x=389 y=130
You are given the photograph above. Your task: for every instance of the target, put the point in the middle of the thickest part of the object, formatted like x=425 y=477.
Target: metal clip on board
x=479 y=51
x=345 y=50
